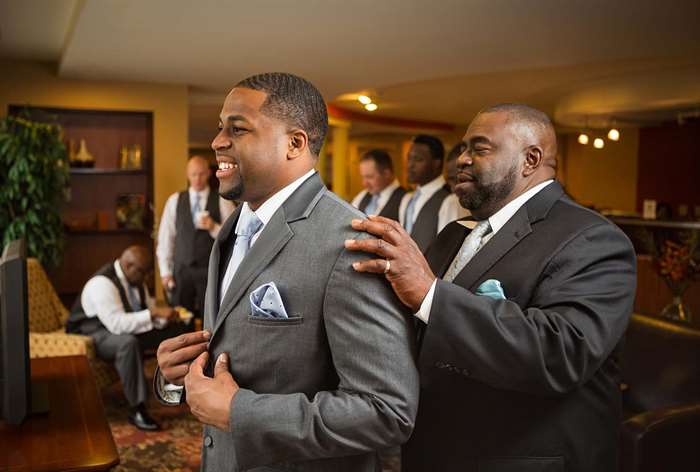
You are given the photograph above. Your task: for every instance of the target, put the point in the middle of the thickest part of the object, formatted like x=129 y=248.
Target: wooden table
x=74 y=435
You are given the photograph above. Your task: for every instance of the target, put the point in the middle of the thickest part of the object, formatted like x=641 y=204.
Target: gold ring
x=388 y=267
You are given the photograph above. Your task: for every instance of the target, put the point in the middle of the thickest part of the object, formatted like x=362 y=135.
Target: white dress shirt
x=264 y=213
x=101 y=298
x=450 y=209
x=384 y=196
x=167 y=232
x=497 y=221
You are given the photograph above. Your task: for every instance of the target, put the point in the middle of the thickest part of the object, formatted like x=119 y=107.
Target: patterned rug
x=176 y=448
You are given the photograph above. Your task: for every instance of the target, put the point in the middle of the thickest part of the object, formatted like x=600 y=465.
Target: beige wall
x=605 y=178
x=37 y=85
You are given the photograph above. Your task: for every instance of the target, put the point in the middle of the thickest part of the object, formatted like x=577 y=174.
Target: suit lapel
x=519 y=226
x=276 y=234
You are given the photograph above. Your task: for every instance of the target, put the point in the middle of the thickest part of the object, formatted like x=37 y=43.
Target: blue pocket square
x=266 y=302
x=491 y=288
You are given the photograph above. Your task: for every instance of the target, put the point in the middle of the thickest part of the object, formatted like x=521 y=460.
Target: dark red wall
x=669 y=166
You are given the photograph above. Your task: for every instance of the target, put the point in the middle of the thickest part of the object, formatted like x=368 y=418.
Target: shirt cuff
x=423 y=312
x=167 y=393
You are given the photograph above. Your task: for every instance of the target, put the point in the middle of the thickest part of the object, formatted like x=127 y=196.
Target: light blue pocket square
x=491 y=288
x=266 y=302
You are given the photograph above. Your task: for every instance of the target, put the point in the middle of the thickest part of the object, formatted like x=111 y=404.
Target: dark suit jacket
x=529 y=383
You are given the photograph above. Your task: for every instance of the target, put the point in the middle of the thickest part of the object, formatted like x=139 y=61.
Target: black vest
x=426 y=225
x=391 y=209
x=77 y=314
x=192 y=245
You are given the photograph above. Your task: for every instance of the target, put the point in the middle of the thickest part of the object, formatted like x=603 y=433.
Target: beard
x=234 y=193
x=487 y=196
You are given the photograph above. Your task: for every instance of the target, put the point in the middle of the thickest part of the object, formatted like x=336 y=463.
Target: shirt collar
x=120 y=273
x=432 y=186
x=272 y=204
x=202 y=193
x=501 y=217
x=388 y=190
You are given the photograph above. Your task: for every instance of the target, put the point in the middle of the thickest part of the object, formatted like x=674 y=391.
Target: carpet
x=176 y=448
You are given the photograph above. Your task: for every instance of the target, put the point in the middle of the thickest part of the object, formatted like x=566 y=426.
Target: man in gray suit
x=304 y=364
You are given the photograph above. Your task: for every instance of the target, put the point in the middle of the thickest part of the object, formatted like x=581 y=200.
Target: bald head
x=198 y=173
x=136 y=262
x=534 y=128
x=508 y=149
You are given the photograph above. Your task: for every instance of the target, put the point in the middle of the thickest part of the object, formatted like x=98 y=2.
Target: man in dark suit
x=382 y=194
x=520 y=317
x=312 y=363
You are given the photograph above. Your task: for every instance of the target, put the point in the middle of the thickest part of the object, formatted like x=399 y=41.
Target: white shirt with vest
x=167 y=233
x=450 y=209
x=384 y=196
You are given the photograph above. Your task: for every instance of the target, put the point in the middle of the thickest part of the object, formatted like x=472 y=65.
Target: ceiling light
x=371 y=106
x=613 y=135
x=583 y=138
x=364 y=99
x=598 y=143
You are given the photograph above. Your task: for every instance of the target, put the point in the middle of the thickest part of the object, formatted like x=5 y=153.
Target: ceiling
x=582 y=61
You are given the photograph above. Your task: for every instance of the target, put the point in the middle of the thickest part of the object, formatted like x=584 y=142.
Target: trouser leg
x=124 y=351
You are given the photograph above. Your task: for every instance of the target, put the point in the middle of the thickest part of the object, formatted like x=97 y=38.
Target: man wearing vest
x=117 y=312
x=191 y=220
x=427 y=210
x=382 y=194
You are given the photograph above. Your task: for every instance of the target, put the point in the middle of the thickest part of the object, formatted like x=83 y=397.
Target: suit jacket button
x=208 y=441
x=465 y=372
x=440 y=365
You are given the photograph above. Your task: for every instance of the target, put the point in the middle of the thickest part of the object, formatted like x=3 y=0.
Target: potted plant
x=33 y=179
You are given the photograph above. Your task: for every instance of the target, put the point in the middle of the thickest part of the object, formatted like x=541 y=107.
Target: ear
x=533 y=159
x=298 y=144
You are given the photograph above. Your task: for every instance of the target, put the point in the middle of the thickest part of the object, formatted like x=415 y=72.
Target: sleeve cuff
x=423 y=312
x=167 y=393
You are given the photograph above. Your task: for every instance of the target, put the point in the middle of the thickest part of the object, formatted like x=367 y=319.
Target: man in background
x=451 y=166
x=117 y=312
x=382 y=194
x=425 y=211
x=191 y=220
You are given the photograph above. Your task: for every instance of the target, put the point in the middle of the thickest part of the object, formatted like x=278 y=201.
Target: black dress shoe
x=141 y=420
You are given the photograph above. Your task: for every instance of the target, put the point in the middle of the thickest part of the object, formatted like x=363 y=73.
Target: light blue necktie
x=469 y=247
x=133 y=296
x=372 y=205
x=246 y=229
x=409 y=217
x=196 y=208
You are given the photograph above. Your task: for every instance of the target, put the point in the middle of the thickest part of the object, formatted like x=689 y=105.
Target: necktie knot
x=249 y=226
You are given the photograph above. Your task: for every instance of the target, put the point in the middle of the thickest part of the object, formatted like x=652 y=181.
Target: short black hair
x=293 y=100
x=455 y=152
x=437 y=150
x=381 y=159
x=522 y=112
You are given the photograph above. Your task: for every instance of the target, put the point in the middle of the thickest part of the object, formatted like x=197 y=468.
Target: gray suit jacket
x=337 y=380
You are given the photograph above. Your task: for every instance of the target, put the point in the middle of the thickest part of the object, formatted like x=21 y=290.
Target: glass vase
x=677 y=310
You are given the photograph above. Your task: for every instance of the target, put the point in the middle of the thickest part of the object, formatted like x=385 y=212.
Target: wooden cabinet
x=95 y=234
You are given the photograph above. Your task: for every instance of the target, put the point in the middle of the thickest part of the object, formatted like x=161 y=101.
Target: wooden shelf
x=105 y=171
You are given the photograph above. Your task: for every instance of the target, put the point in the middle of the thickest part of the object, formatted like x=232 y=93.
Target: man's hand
x=176 y=354
x=207 y=222
x=165 y=312
x=210 y=398
x=168 y=282
x=409 y=273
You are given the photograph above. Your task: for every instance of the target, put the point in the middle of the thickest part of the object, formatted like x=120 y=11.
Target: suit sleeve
x=375 y=403
x=577 y=314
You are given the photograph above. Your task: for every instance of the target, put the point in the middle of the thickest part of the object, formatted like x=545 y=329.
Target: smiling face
x=489 y=168
x=251 y=149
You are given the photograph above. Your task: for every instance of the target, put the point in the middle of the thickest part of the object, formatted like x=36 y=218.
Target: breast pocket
x=279 y=322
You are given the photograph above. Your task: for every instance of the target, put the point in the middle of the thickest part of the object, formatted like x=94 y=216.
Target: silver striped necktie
x=469 y=247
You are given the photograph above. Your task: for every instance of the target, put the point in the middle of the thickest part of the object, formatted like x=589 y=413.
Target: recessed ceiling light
x=364 y=99
x=371 y=106
x=598 y=143
x=583 y=138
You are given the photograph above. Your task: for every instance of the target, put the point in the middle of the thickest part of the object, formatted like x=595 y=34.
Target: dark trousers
x=125 y=352
x=190 y=287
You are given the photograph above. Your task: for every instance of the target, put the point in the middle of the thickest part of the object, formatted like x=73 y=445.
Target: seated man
x=117 y=312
